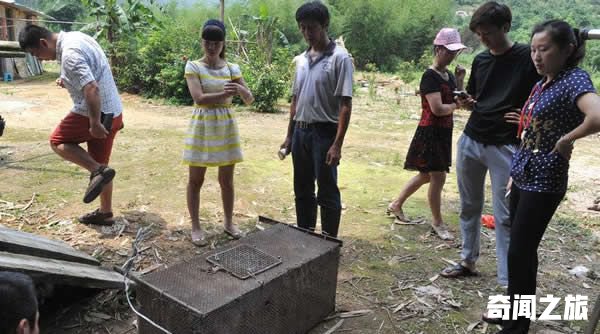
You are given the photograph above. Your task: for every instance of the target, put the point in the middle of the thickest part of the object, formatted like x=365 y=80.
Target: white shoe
x=442 y=231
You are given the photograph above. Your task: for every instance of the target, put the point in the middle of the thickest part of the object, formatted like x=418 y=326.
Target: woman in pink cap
x=430 y=152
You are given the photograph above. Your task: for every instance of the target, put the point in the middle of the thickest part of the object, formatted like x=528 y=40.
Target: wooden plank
x=18 y=242
x=12 y=54
x=10 y=46
x=62 y=272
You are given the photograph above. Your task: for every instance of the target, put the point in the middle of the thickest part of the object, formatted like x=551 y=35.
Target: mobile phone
x=460 y=93
x=106 y=120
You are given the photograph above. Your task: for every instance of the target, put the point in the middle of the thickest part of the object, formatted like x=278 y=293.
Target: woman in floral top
x=562 y=108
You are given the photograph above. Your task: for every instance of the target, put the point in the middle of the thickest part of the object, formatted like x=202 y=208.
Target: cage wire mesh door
x=243 y=261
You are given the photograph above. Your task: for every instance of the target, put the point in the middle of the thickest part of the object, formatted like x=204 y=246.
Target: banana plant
x=114 y=20
x=266 y=32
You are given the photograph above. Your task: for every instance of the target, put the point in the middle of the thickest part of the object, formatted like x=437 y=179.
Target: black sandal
x=456 y=271
x=97 y=218
x=98 y=179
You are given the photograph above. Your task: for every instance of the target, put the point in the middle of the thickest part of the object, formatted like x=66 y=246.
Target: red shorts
x=75 y=129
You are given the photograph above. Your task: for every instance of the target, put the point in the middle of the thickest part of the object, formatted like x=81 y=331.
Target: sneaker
x=97 y=218
x=442 y=231
x=98 y=179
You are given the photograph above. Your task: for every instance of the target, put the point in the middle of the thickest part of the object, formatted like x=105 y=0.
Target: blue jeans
x=309 y=151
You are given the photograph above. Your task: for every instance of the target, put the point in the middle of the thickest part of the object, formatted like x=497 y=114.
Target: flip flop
x=234 y=234
x=457 y=271
x=199 y=239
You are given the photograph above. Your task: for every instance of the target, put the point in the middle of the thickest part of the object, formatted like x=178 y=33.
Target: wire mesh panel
x=292 y=288
x=244 y=261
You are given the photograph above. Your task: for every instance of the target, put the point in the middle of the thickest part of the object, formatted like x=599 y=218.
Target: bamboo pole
x=223 y=11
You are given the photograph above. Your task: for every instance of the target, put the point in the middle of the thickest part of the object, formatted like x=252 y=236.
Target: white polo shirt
x=82 y=61
x=319 y=86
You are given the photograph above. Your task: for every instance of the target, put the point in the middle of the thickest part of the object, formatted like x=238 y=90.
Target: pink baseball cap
x=449 y=38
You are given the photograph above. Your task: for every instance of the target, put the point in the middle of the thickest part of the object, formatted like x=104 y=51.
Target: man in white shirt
x=96 y=114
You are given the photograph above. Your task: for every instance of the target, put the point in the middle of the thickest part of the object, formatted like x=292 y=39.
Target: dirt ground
x=389 y=271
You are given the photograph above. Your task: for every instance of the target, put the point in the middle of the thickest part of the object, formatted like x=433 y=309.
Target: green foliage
x=408 y=71
x=164 y=57
x=371 y=76
x=526 y=14
x=114 y=20
x=152 y=60
x=268 y=88
x=385 y=31
x=268 y=82
x=146 y=43
x=155 y=64
x=67 y=11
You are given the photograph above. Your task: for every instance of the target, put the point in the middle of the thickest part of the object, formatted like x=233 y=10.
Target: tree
x=384 y=32
x=114 y=20
x=67 y=11
x=266 y=31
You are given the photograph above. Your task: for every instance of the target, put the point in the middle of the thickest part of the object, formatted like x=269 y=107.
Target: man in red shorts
x=96 y=114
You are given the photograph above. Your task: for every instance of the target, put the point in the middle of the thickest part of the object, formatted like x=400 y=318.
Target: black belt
x=306 y=125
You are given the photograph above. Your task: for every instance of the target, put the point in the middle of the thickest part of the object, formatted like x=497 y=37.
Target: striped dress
x=212 y=138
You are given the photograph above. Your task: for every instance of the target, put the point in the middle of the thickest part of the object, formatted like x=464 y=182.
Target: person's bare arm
x=241 y=89
x=460 y=73
x=437 y=107
x=334 y=155
x=589 y=104
x=91 y=94
x=287 y=143
x=200 y=97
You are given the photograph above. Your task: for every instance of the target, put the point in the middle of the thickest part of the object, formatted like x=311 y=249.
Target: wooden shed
x=13 y=18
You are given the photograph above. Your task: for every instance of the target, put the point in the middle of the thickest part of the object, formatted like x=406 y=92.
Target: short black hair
x=31 y=35
x=313 y=11
x=17 y=301
x=491 y=13
x=562 y=34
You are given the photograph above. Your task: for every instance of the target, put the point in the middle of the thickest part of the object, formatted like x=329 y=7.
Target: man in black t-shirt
x=500 y=82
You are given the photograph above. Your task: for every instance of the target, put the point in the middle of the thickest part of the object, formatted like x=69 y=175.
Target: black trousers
x=530 y=213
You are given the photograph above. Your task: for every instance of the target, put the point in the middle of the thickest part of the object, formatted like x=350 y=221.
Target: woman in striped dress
x=212 y=139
